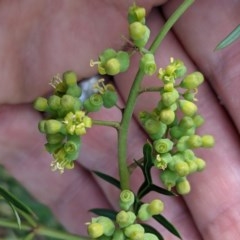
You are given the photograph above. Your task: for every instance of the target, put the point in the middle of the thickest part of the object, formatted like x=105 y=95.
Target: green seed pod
x=95 y=230
x=137 y=30
x=198 y=120
x=134 y=232
x=70 y=78
x=54 y=102
x=150 y=236
x=109 y=99
x=163 y=145
x=127 y=199
x=181 y=168
x=207 y=141
x=112 y=66
x=169 y=98
x=40 y=104
x=118 y=235
x=168 y=178
x=74 y=91
x=53 y=126
x=124 y=219
x=155 y=128
x=55 y=138
x=124 y=60
x=155 y=207
x=167 y=116
x=182 y=143
x=192 y=80
x=148 y=64
x=143 y=213
x=186 y=123
x=194 y=141
x=183 y=187
x=140 y=43
x=107 y=224
x=94 y=103
x=187 y=107
x=201 y=164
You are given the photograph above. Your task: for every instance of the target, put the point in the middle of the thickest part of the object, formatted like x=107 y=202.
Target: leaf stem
x=41 y=230
x=107 y=123
x=131 y=101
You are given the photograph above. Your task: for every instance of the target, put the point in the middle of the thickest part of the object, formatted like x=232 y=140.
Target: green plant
x=171 y=127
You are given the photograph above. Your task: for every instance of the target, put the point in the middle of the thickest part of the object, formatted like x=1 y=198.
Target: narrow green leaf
x=15 y=202
x=104 y=212
x=150 y=229
x=108 y=179
x=161 y=190
x=231 y=37
x=169 y=226
x=15 y=214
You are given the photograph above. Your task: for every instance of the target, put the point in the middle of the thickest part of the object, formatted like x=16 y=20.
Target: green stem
x=107 y=123
x=131 y=101
x=41 y=230
x=150 y=89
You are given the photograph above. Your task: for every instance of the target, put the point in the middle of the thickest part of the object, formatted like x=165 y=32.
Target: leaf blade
x=104 y=212
x=108 y=179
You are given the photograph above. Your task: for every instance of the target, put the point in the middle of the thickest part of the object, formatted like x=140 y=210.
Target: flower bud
x=140 y=43
x=41 y=126
x=169 y=98
x=107 y=54
x=182 y=143
x=125 y=219
x=187 y=107
x=143 y=213
x=40 y=104
x=137 y=30
x=188 y=154
x=155 y=207
x=176 y=132
x=183 y=187
x=107 y=224
x=192 y=80
x=53 y=126
x=167 y=116
x=192 y=165
x=93 y=103
x=127 y=199
x=70 y=78
x=168 y=178
x=198 y=120
x=155 y=128
x=95 y=230
x=163 y=145
x=74 y=91
x=136 y=14
x=148 y=64
x=194 y=141
x=118 y=235
x=54 y=102
x=181 y=168
x=52 y=148
x=134 y=232
x=186 y=123
x=201 y=164
x=150 y=236
x=207 y=141
x=67 y=103
x=55 y=138
x=109 y=99
x=112 y=66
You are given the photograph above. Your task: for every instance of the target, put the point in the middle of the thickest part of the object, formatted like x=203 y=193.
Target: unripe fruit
x=134 y=232
x=53 y=126
x=198 y=120
x=182 y=168
x=112 y=67
x=169 y=98
x=167 y=116
x=143 y=213
x=109 y=99
x=186 y=123
x=194 y=141
x=192 y=80
x=67 y=103
x=137 y=30
x=187 y=107
x=201 y=164
x=40 y=104
x=54 y=102
x=108 y=225
x=169 y=178
x=150 y=236
x=70 y=78
x=118 y=235
x=125 y=219
x=208 y=141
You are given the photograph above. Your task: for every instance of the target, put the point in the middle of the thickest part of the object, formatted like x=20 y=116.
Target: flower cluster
x=126 y=223
x=172 y=127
